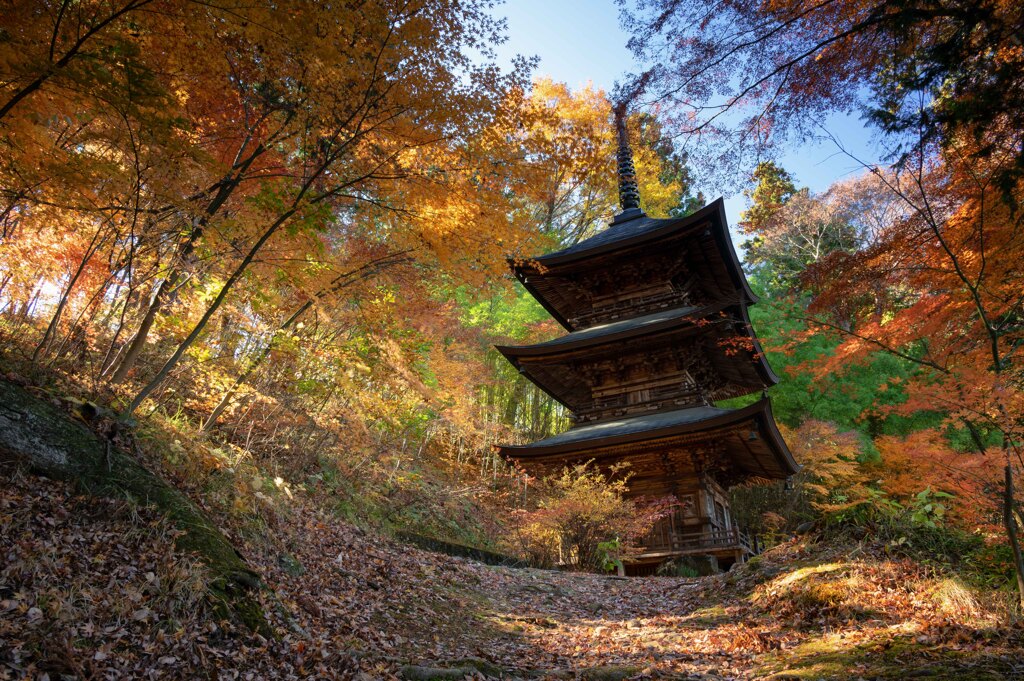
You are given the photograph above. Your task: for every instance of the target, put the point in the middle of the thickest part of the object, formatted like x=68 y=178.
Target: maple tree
x=214 y=213
x=218 y=148
x=758 y=73
x=933 y=282
x=571 y=141
x=221 y=213
x=960 y=246
x=584 y=519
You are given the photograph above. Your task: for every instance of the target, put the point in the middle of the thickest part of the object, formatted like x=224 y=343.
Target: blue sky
x=580 y=41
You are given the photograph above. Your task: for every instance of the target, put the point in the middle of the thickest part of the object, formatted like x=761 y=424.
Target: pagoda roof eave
x=551 y=391
x=638 y=231
x=613 y=331
x=679 y=319
x=764 y=368
x=538 y=296
x=589 y=440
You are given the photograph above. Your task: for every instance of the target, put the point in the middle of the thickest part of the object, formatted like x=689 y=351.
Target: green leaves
x=927 y=507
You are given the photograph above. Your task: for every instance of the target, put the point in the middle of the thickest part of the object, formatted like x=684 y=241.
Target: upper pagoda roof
x=628 y=234
x=755 y=445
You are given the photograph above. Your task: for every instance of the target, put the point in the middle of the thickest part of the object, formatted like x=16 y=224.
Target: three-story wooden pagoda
x=658 y=332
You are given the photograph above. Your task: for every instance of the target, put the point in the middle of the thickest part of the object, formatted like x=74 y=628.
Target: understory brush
x=917 y=530
x=581 y=518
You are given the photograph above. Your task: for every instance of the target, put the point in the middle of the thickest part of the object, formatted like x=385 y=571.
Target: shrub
x=584 y=519
x=918 y=530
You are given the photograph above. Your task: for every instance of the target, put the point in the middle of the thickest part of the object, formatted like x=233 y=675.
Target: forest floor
x=93 y=588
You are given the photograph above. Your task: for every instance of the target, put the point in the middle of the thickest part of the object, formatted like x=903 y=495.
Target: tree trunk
x=210 y=311
x=161 y=296
x=51 y=328
x=372 y=268
x=1011 y=531
x=252 y=366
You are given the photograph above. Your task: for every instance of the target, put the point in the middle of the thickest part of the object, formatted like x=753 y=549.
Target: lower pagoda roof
x=751 y=446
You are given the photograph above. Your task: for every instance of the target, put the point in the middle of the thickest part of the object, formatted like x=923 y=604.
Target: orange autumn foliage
x=831 y=476
x=951 y=298
x=925 y=459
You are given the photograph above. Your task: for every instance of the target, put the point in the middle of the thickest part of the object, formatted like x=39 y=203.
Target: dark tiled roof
x=628 y=426
x=635 y=229
x=762 y=454
x=624 y=326
x=710 y=243
x=553 y=367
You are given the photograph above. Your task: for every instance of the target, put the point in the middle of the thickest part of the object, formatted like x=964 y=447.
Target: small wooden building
x=657 y=332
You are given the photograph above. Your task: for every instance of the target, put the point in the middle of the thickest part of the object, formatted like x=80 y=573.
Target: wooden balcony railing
x=665 y=539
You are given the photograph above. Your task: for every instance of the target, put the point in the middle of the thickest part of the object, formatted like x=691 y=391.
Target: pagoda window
x=638 y=396
x=720 y=515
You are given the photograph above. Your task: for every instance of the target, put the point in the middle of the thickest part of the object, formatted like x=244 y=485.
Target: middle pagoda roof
x=719 y=333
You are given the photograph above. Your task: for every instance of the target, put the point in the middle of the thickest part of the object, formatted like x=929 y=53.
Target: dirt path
x=801 y=611
x=95 y=589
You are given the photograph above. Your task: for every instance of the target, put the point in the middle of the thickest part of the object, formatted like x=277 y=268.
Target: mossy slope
x=51 y=443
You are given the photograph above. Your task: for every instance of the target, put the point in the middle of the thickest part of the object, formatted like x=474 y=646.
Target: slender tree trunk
x=78 y=337
x=210 y=311
x=300 y=197
x=253 y=365
x=535 y=431
x=26 y=307
x=127 y=265
x=162 y=294
x=1011 y=531
x=343 y=281
x=138 y=341
x=113 y=353
x=51 y=328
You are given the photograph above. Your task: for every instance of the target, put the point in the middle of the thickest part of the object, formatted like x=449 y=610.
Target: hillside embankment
x=102 y=582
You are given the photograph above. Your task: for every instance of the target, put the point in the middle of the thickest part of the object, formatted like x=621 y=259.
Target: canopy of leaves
x=760 y=72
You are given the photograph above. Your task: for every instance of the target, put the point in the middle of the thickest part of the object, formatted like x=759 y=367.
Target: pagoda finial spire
x=629 y=192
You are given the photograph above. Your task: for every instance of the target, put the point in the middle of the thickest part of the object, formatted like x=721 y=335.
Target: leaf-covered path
x=87 y=589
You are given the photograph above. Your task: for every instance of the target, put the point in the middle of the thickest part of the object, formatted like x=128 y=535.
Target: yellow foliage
x=831 y=473
x=573 y=138
x=584 y=518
